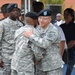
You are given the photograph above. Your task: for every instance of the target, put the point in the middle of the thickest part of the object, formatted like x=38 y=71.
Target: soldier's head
x=4 y=10
x=13 y=11
x=44 y=17
x=31 y=18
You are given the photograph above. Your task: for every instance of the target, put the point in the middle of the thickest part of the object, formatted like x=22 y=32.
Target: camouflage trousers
x=1 y=71
x=6 y=70
x=52 y=72
x=14 y=72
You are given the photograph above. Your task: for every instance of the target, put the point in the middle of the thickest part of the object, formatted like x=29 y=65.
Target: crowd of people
x=36 y=47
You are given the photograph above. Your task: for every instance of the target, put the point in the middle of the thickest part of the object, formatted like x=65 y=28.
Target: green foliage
x=52 y=1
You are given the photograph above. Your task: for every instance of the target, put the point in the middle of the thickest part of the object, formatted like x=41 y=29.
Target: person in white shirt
x=63 y=45
x=59 y=20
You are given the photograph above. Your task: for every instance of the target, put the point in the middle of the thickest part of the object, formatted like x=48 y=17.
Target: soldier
x=4 y=11
x=5 y=15
x=22 y=61
x=7 y=30
x=48 y=40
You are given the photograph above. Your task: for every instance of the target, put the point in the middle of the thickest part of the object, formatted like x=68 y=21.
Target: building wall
x=66 y=4
x=69 y=4
x=9 y=1
x=19 y=2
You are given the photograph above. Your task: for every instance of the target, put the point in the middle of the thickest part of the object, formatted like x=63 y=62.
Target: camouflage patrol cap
x=10 y=7
x=4 y=8
x=45 y=12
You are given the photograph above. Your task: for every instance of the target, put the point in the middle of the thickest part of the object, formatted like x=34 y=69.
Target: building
x=66 y=4
x=69 y=3
x=19 y=2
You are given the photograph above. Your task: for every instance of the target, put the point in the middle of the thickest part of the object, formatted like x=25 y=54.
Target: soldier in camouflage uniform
x=22 y=61
x=5 y=15
x=7 y=30
x=4 y=11
x=49 y=40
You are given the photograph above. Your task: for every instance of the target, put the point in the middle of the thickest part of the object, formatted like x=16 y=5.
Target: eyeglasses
x=44 y=18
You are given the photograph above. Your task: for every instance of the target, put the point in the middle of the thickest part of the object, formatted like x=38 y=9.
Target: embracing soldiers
x=48 y=40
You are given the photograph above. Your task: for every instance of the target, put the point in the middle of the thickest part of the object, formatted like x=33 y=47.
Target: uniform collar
x=14 y=22
x=27 y=25
x=42 y=30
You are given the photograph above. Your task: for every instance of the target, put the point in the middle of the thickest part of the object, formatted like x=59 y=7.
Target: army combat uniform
x=49 y=40
x=7 y=30
x=22 y=61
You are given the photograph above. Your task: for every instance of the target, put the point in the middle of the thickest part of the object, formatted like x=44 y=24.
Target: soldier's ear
x=50 y=19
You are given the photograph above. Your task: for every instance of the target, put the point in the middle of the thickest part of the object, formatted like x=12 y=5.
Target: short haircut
x=4 y=8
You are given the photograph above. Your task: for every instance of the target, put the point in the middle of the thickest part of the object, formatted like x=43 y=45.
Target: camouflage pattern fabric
x=7 y=30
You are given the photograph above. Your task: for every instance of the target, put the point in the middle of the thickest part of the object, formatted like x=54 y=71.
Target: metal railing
x=26 y=7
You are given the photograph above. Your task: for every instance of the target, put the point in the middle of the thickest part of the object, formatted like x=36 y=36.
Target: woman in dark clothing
x=69 y=31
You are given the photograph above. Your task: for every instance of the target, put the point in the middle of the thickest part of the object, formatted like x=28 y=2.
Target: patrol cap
x=4 y=8
x=32 y=15
x=10 y=7
x=45 y=12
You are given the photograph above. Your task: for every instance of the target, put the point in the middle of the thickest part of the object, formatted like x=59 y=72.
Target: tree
x=52 y=1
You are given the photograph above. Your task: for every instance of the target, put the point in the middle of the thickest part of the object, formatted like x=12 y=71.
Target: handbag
x=65 y=56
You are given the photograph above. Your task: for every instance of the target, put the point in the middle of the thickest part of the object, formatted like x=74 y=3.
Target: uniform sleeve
x=38 y=52
x=62 y=34
x=1 y=32
x=46 y=41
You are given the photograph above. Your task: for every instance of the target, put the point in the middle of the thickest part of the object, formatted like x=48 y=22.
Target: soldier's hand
x=28 y=33
x=35 y=62
x=1 y=63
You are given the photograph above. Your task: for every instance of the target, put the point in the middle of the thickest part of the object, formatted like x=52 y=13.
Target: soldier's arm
x=44 y=42
x=38 y=52
x=1 y=33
